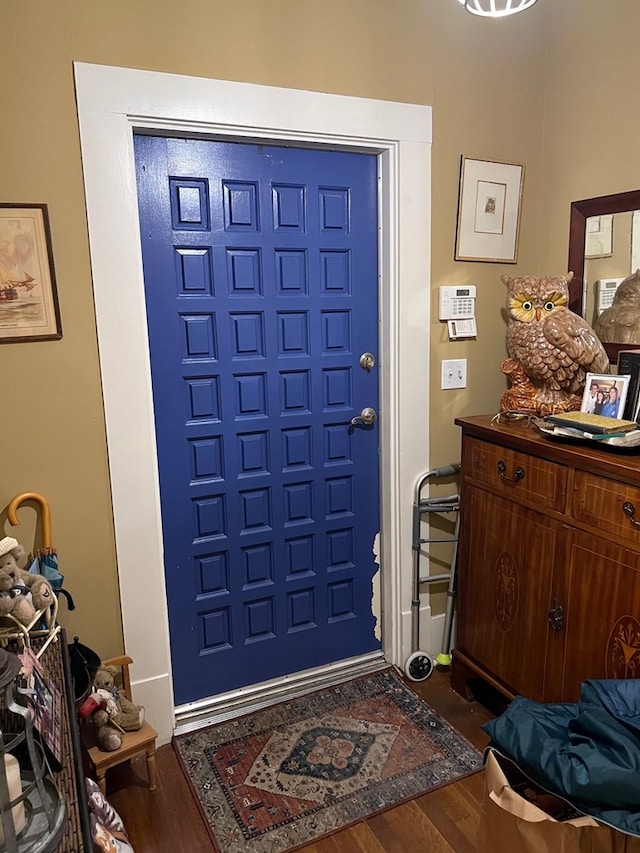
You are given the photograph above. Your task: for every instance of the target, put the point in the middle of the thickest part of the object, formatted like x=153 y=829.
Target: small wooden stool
x=133 y=744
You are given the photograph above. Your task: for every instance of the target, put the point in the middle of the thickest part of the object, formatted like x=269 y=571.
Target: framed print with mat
x=287 y=775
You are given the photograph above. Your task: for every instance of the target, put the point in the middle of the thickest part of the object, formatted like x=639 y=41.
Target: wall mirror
x=604 y=244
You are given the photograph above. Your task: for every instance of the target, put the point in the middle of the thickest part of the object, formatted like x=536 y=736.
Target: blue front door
x=260 y=268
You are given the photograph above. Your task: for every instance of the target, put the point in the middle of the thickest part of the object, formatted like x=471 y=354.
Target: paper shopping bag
x=513 y=822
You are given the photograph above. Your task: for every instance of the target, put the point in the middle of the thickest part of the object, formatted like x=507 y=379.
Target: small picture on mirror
x=604 y=395
x=635 y=241
x=599 y=236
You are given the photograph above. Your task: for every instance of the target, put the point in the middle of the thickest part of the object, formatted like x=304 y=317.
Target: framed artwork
x=29 y=308
x=605 y=395
x=489 y=202
x=598 y=241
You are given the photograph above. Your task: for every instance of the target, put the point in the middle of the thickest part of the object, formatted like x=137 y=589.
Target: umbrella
x=43 y=561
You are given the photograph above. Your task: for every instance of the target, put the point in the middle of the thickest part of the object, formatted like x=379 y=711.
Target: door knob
x=367 y=416
x=367 y=361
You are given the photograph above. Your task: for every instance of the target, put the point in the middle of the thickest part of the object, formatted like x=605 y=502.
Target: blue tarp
x=586 y=752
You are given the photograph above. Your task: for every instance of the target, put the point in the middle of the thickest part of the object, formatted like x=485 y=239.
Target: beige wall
x=500 y=90
x=591 y=120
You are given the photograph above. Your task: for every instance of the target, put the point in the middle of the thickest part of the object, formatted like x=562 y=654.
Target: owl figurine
x=551 y=348
x=620 y=323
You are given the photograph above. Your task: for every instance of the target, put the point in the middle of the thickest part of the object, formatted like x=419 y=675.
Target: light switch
x=454 y=373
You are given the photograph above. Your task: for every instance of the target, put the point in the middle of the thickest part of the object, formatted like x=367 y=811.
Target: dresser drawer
x=607 y=505
x=516 y=475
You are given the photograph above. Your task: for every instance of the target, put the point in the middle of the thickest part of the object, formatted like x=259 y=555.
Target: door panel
x=505 y=589
x=260 y=268
x=599 y=586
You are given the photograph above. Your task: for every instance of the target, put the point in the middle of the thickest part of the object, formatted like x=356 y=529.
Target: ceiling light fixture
x=496 y=8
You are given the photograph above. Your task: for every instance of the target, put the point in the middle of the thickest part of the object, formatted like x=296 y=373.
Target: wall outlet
x=454 y=373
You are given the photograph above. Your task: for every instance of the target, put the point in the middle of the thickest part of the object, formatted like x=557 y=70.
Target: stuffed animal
x=115 y=714
x=15 y=600
x=22 y=594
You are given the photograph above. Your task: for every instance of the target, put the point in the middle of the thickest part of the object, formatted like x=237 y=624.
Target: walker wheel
x=418 y=666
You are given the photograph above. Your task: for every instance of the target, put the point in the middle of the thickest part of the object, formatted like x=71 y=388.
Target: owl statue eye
x=527 y=305
x=549 y=306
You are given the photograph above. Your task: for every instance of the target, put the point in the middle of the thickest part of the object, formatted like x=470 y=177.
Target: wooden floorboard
x=448 y=819
x=455 y=812
x=356 y=839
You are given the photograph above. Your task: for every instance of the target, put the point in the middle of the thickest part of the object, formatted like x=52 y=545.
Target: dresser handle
x=518 y=474
x=556 y=617
x=629 y=510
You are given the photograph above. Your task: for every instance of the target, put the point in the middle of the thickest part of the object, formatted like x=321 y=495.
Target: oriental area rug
x=284 y=776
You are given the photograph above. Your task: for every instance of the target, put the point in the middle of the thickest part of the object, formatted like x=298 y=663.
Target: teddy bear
x=22 y=594
x=115 y=714
x=15 y=600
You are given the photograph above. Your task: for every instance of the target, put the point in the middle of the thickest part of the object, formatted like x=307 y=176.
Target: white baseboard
x=430 y=635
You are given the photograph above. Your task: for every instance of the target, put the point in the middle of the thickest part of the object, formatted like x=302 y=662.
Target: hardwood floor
x=448 y=819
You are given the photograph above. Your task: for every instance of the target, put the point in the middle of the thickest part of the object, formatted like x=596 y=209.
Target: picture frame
x=29 y=309
x=604 y=382
x=46 y=703
x=598 y=240
x=635 y=242
x=489 y=205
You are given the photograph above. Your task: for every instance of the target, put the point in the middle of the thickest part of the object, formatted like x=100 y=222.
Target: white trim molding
x=112 y=102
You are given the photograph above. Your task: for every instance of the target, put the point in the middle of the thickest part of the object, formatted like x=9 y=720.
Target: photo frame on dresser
x=605 y=394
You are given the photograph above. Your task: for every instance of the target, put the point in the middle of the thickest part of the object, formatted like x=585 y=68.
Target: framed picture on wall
x=489 y=203
x=29 y=308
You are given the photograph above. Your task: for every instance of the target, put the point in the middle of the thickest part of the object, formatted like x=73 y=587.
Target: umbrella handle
x=46 y=513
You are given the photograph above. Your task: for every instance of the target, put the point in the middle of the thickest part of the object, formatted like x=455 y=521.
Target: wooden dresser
x=548 y=563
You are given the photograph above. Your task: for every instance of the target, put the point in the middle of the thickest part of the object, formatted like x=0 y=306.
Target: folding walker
x=419 y=664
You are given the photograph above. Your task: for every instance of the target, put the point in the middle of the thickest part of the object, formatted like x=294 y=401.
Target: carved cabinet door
x=599 y=587
x=507 y=559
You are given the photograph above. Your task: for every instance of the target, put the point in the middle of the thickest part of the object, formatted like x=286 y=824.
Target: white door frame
x=112 y=102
